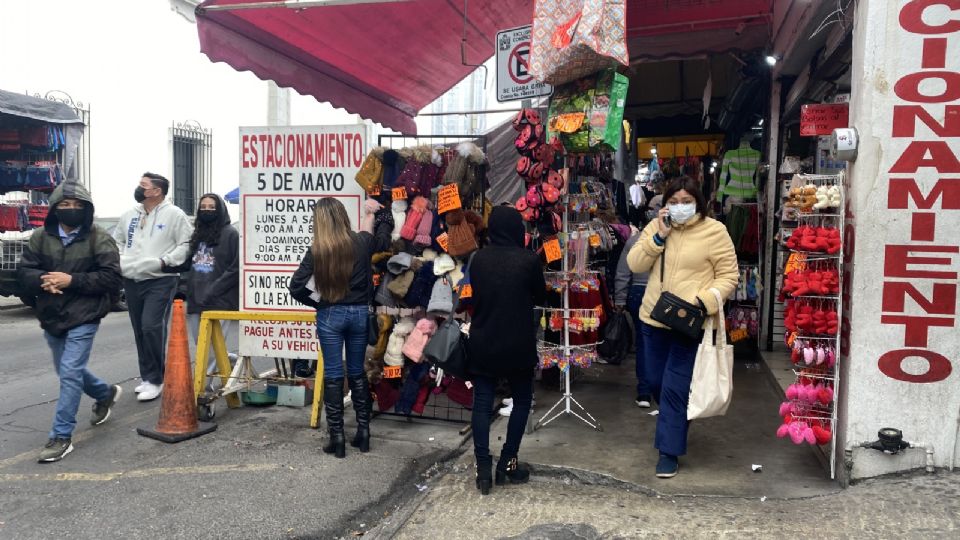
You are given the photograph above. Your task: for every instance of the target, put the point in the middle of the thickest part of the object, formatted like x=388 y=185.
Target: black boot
x=512 y=471
x=484 y=474
x=362 y=405
x=333 y=401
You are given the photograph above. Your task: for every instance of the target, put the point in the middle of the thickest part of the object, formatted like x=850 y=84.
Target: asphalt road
x=260 y=475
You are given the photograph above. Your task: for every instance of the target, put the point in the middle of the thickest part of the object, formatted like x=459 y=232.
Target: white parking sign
x=514 y=80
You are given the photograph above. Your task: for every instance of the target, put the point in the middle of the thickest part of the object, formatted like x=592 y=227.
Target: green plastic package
x=587 y=114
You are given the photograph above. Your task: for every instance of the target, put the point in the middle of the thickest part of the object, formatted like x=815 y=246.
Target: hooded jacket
x=146 y=238
x=507 y=283
x=213 y=281
x=91 y=260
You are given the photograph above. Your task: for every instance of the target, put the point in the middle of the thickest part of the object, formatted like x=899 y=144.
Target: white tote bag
x=712 y=385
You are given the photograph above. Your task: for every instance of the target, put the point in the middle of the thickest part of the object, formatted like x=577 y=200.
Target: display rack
x=567 y=401
x=815 y=355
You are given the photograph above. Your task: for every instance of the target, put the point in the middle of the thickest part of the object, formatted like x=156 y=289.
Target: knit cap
x=418 y=338
x=423 y=230
x=443 y=264
x=394 y=352
x=441 y=299
x=421 y=287
x=398 y=209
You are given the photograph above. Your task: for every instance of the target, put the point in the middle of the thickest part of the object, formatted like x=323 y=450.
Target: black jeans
x=148 y=305
x=521 y=386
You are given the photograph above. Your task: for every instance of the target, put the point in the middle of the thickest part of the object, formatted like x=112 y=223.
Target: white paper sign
x=284 y=171
x=514 y=80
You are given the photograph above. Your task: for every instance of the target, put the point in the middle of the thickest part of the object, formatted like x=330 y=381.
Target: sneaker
x=667 y=466
x=643 y=401
x=505 y=411
x=101 y=409
x=141 y=387
x=150 y=392
x=508 y=401
x=55 y=450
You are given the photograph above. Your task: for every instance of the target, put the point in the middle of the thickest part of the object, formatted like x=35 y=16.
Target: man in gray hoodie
x=629 y=289
x=153 y=235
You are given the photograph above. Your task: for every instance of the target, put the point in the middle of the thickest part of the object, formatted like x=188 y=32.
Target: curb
x=7 y=307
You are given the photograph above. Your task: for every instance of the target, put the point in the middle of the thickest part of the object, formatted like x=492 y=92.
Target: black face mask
x=207 y=216
x=139 y=195
x=71 y=217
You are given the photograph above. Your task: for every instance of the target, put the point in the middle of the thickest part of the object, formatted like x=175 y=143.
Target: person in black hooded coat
x=507 y=282
x=212 y=271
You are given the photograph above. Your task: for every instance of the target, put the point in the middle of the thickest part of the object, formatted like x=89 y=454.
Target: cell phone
x=667 y=221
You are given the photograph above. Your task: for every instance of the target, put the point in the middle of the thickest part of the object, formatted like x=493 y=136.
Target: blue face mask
x=682 y=213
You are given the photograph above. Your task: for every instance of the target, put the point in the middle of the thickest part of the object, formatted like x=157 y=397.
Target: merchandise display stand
x=567 y=402
x=813 y=293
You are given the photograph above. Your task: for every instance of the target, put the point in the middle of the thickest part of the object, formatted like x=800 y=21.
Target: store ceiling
x=387 y=61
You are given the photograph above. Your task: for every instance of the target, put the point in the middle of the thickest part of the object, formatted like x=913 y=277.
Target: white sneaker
x=141 y=387
x=150 y=392
x=508 y=401
x=505 y=411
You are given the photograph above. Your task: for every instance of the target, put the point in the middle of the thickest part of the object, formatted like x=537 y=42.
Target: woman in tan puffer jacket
x=698 y=256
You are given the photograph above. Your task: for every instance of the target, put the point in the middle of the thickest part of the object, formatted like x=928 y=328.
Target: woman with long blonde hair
x=335 y=278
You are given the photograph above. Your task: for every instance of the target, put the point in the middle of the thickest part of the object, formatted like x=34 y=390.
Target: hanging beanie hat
x=443 y=264
x=410 y=177
x=461 y=238
x=399 y=210
x=394 y=354
x=428 y=255
x=423 y=230
x=370 y=174
x=456 y=274
x=421 y=287
x=414 y=216
x=385 y=323
x=441 y=299
x=391 y=168
x=418 y=338
x=383 y=296
x=400 y=285
x=399 y=263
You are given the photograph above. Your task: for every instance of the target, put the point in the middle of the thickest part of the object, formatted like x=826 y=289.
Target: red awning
x=387 y=61
x=384 y=62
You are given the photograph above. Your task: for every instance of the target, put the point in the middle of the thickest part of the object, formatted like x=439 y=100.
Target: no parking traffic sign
x=514 y=80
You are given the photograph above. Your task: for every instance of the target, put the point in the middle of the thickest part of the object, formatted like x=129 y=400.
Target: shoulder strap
x=663 y=257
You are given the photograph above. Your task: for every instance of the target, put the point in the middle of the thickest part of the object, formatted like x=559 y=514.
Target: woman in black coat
x=507 y=282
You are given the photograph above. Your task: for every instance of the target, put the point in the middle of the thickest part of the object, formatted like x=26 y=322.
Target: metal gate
x=191 y=147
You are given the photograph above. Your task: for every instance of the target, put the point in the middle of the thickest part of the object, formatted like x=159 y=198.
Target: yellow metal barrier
x=211 y=332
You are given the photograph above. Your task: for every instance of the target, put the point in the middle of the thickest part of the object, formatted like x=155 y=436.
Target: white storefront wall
x=901 y=343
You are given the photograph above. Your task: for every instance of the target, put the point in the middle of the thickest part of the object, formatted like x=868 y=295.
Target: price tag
x=466 y=291
x=376 y=279
x=444 y=241
x=594 y=240
x=448 y=198
x=552 y=250
x=399 y=194
x=392 y=372
x=567 y=123
x=375 y=190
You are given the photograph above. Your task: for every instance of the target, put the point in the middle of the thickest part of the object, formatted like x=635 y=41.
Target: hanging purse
x=675 y=312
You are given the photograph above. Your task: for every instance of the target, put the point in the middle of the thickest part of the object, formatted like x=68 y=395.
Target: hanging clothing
x=736 y=176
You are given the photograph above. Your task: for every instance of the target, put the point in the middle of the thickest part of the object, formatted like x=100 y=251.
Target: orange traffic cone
x=178 y=407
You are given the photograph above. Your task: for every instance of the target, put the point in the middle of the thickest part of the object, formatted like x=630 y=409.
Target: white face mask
x=682 y=213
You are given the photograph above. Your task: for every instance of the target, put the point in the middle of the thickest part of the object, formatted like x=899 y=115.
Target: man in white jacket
x=154 y=235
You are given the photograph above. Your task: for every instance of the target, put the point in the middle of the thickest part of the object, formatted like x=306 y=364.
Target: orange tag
x=551 y=248
x=375 y=190
x=376 y=279
x=466 y=291
x=598 y=310
x=567 y=123
x=392 y=372
x=399 y=194
x=443 y=240
x=594 y=240
x=448 y=198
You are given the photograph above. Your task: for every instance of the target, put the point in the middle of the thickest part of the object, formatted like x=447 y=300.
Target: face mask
x=71 y=217
x=207 y=216
x=138 y=194
x=681 y=213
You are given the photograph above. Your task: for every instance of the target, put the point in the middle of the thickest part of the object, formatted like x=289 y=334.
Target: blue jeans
x=71 y=352
x=634 y=300
x=339 y=326
x=521 y=388
x=669 y=369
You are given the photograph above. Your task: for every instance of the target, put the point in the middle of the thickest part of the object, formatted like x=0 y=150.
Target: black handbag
x=447 y=349
x=373 y=329
x=675 y=312
x=616 y=339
